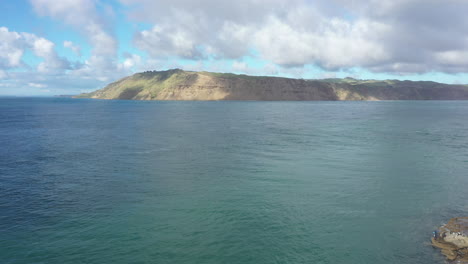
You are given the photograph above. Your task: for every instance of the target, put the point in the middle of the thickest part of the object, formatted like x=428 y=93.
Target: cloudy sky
x=52 y=47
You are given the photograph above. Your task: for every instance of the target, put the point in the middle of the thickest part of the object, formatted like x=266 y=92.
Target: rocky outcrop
x=185 y=85
x=452 y=239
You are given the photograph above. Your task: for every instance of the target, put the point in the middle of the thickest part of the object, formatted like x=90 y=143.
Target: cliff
x=186 y=85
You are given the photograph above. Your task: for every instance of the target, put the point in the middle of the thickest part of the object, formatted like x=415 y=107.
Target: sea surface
x=96 y=181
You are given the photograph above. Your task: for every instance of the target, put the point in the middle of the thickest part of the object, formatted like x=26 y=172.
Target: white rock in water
x=453 y=239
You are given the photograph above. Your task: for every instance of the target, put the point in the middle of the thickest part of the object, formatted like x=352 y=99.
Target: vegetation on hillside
x=177 y=84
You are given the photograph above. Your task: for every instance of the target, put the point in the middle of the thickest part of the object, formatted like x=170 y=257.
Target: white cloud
x=166 y=41
x=34 y=83
x=37 y=85
x=83 y=16
x=201 y=29
x=73 y=47
x=14 y=44
x=399 y=36
x=239 y=66
x=131 y=61
x=11 y=48
x=94 y=20
x=3 y=74
x=336 y=44
x=292 y=34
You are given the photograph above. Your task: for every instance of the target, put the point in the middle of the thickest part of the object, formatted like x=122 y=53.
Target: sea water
x=96 y=181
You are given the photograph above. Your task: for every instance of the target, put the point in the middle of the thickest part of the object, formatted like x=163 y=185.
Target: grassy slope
x=145 y=85
x=148 y=85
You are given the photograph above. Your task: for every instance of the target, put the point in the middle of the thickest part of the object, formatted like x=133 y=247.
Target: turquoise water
x=91 y=181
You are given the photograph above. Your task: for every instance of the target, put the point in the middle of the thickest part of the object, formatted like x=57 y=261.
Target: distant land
x=177 y=84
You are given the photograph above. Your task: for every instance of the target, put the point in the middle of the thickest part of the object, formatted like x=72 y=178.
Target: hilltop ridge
x=177 y=84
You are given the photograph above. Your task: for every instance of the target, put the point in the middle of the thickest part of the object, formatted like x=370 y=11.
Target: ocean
x=96 y=181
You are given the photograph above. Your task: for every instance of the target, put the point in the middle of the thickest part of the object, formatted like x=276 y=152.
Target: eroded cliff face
x=183 y=85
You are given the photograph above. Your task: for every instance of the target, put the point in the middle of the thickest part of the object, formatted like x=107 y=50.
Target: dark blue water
x=91 y=181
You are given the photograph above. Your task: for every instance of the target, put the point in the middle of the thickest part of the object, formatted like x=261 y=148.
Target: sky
x=52 y=47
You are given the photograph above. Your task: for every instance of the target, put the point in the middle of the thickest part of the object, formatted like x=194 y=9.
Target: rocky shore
x=452 y=239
